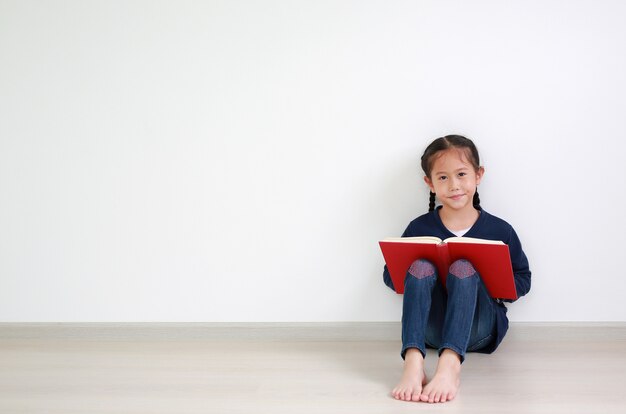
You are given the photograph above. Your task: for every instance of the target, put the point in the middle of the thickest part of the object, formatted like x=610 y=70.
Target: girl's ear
x=429 y=183
x=479 y=174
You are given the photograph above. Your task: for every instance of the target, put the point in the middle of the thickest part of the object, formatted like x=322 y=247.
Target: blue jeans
x=460 y=317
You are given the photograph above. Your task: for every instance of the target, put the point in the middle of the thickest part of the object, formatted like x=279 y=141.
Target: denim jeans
x=460 y=317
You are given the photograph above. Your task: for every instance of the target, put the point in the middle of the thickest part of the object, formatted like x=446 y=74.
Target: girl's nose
x=454 y=184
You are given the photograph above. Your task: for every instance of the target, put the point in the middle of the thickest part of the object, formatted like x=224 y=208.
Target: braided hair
x=431 y=204
x=442 y=144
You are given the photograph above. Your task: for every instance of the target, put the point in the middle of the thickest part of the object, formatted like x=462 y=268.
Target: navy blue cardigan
x=486 y=227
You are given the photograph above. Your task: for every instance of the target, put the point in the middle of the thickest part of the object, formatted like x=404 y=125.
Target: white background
x=239 y=160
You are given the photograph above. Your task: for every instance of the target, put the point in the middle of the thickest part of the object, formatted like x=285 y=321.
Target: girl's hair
x=442 y=144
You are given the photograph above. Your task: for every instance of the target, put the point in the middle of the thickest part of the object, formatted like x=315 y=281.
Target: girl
x=462 y=317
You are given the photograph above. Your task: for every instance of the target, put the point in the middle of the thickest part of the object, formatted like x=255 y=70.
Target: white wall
x=239 y=160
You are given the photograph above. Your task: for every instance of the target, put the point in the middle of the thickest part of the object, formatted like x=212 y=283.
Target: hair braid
x=431 y=204
x=476 y=201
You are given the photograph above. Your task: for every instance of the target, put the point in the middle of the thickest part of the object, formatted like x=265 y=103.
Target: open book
x=490 y=258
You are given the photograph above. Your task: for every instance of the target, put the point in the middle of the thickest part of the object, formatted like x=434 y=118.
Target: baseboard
x=282 y=331
x=223 y=331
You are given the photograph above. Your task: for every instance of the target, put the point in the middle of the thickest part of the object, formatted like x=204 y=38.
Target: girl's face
x=454 y=180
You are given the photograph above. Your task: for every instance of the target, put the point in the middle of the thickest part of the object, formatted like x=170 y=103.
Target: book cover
x=491 y=259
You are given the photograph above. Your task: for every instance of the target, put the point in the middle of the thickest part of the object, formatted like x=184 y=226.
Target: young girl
x=461 y=317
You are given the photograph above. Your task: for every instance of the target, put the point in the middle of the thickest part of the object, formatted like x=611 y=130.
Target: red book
x=490 y=258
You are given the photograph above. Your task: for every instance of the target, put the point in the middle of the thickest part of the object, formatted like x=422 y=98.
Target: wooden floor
x=546 y=369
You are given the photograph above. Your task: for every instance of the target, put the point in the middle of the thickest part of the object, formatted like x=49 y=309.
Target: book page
x=422 y=239
x=471 y=240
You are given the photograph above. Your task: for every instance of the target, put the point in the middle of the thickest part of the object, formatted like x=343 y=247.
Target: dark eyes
x=444 y=177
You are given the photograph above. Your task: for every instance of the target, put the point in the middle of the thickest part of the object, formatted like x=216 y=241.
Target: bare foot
x=445 y=383
x=413 y=377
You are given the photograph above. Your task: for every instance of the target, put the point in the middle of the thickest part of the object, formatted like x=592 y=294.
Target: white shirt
x=460 y=233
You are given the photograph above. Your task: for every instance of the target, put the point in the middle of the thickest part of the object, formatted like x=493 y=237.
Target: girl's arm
x=521 y=270
x=387 y=279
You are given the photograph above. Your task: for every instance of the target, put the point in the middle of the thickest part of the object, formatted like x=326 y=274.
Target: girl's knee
x=462 y=269
x=421 y=269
